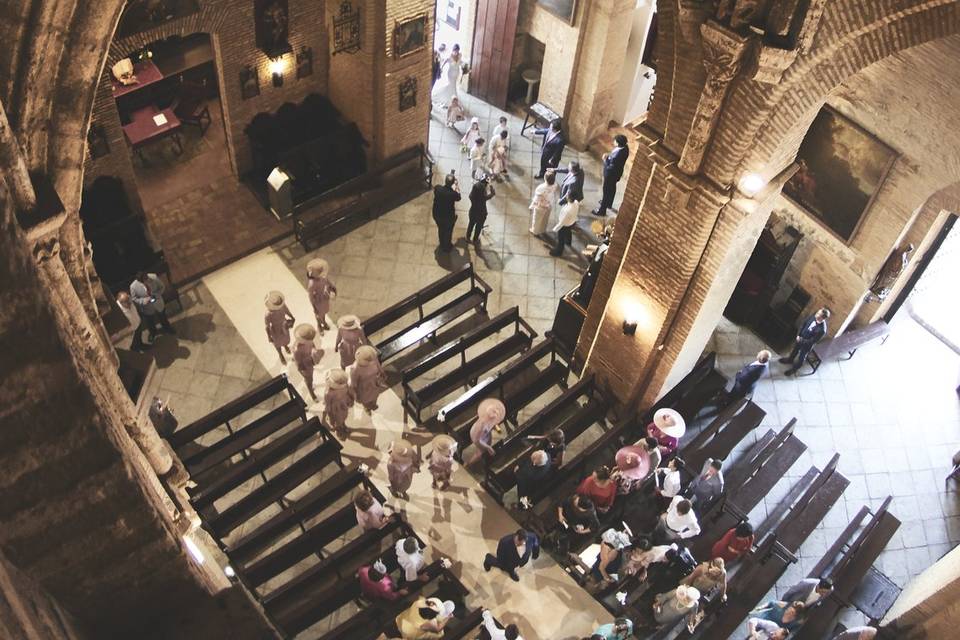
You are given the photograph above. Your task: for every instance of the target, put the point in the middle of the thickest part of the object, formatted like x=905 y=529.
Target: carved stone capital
x=770 y=63
x=46 y=248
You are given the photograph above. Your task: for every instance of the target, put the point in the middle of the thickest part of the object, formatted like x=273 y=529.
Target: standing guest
x=350 y=337
x=446 y=87
x=366 y=378
x=440 y=460
x=747 y=378
x=552 y=148
x=679 y=522
x=402 y=463
x=810 y=591
x=683 y=602
x=455 y=113
x=858 y=633
x=554 y=443
x=444 y=210
x=438 y=56
x=667 y=481
x=667 y=428
x=306 y=354
x=578 y=520
x=510 y=632
x=600 y=488
x=411 y=560
x=812 y=331
x=376 y=584
x=613 y=164
x=424 y=620
x=278 y=321
x=498 y=132
x=789 y=615
x=321 y=290
x=370 y=515
x=481 y=191
x=469 y=139
x=530 y=474
x=619 y=629
x=337 y=401
x=635 y=463
x=147 y=293
x=490 y=414
x=709 y=576
x=498 y=155
x=478 y=159
x=571 y=195
x=734 y=544
x=542 y=204
x=707 y=487
x=136 y=321
x=514 y=551
x=760 y=629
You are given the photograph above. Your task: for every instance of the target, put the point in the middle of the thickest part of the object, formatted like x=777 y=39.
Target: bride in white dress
x=446 y=87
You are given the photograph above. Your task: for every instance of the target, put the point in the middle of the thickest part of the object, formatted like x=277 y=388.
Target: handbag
x=289 y=322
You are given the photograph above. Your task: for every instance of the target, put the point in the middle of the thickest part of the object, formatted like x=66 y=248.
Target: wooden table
x=146 y=72
x=541 y=115
x=143 y=129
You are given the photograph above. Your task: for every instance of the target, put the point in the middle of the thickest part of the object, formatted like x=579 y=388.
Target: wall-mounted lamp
x=631 y=318
x=751 y=184
x=277 y=65
x=629 y=327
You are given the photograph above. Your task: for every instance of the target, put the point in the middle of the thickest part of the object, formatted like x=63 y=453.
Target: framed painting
x=452 y=14
x=249 y=83
x=408 y=93
x=410 y=36
x=305 y=63
x=565 y=9
x=271 y=22
x=841 y=168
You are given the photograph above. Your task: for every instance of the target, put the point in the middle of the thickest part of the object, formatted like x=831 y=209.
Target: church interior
x=542 y=319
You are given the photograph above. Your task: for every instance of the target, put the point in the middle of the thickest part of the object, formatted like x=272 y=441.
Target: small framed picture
x=452 y=14
x=249 y=83
x=408 y=93
x=305 y=63
x=410 y=36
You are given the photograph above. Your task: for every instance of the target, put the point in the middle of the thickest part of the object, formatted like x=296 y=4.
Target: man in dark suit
x=811 y=332
x=513 y=551
x=445 y=197
x=747 y=378
x=613 y=163
x=552 y=147
x=810 y=591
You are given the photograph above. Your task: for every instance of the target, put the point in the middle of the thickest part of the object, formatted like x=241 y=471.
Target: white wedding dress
x=446 y=87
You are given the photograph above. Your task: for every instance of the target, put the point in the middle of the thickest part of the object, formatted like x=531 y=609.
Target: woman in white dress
x=446 y=87
x=543 y=198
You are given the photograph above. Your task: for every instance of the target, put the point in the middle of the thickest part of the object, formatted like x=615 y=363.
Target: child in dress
x=441 y=461
x=469 y=139
x=498 y=155
x=401 y=465
x=478 y=159
x=454 y=113
x=498 y=133
x=337 y=401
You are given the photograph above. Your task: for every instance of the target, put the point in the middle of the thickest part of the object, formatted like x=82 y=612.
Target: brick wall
x=354 y=77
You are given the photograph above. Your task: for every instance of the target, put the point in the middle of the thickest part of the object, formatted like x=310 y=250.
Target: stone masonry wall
x=27 y=612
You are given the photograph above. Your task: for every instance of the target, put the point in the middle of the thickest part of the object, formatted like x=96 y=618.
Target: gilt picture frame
x=410 y=36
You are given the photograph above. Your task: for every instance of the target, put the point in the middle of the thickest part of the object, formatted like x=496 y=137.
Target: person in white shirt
x=667 y=481
x=497 y=133
x=679 y=522
x=510 y=632
x=133 y=317
x=411 y=560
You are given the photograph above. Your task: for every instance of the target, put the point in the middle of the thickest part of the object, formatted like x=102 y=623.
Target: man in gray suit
x=147 y=293
x=706 y=487
x=810 y=591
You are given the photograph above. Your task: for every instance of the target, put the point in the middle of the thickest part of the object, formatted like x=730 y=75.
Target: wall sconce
x=629 y=326
x=277 y=65
x=631 y=318
x=751 y=184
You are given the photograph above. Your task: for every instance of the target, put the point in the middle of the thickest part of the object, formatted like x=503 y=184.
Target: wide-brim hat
x=336 y=379
x=274 y=301
x=491 y=409
x=305 y=333
x=691 y=594
x=348 y=321
x=444 y=607
x=670 y=422
x=365 y=355
x=318 y=267
x=633 y=462
x=401 y=451
x=444 y=444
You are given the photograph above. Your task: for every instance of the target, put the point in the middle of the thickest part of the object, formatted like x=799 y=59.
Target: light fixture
x=631 y=318
x=277 y=65
x=751 y=184
x=194 y=550
x=229 y=572
x=629 y=327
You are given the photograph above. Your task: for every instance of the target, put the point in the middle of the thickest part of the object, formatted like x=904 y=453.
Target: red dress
x=722 y=547
x=602 y=497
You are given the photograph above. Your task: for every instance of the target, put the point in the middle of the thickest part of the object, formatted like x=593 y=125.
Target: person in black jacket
x=513 y=551
x=613 y=164
x=571 y=190
x=481 y=192
x=444 y=212
x=552 y=147
x=812 y=331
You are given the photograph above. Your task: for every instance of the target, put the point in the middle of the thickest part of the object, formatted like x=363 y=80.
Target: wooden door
x=493 y=36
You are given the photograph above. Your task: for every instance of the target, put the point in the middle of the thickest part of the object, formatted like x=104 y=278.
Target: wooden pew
x=415 y=400
x=846 y=343
x=722 y=435
x=427 y=323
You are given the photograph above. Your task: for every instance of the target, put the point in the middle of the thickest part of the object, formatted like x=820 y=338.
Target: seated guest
x=642 y=554
x=635 y=463
x=510 y=632
x=578 y=519
x=759 y=629
x=667 y=428
x=411 y=560
x=706 y=487
x=610 y=557
x=370 y=513
x=600 y=488
x=424 y=620
x=734 y=544
x=789 y=615
x=619 y=629
x=679 y=522
x=708 y=577
x=667 y=482
x=554 y=443
x=376 y=584
x=683 y=602
x=530 y=474
x=810 y=591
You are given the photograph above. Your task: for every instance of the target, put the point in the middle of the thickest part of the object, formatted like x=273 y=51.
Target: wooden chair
x=190 y=107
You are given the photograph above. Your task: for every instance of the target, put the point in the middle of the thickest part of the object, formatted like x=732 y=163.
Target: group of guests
x=144 y=309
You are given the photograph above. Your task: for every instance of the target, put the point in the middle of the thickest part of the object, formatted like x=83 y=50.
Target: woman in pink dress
x=667 y=428
x=401 y=465
x=306 y=354
x=490 y=413
x=278 y=320
x=370 y=515
x=337 y=401
x=321 y=290
x=440 y=461
x=349 y=336
x=366 y=378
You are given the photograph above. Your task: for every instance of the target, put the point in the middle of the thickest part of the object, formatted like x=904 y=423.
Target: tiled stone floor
x=891 y=411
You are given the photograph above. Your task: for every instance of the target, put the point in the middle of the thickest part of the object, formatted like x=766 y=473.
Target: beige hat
x=366 y=355
x=444 y=607
x=444 y=444
x=491 y=409
x=318 y=267
x=336 y=379
x=305 y=333
x=687 y=594
x=670 y=422
x=274 y=301
x=401 y=451
x=348 y=321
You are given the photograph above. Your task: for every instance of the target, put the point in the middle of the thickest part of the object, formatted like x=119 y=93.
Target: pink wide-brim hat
x=492 y=409
x=633 y=462
x=670 y=422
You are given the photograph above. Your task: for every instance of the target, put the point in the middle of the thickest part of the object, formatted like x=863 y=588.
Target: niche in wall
x=528 y=53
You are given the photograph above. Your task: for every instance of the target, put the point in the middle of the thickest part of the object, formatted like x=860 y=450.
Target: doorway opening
x=932 y=301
